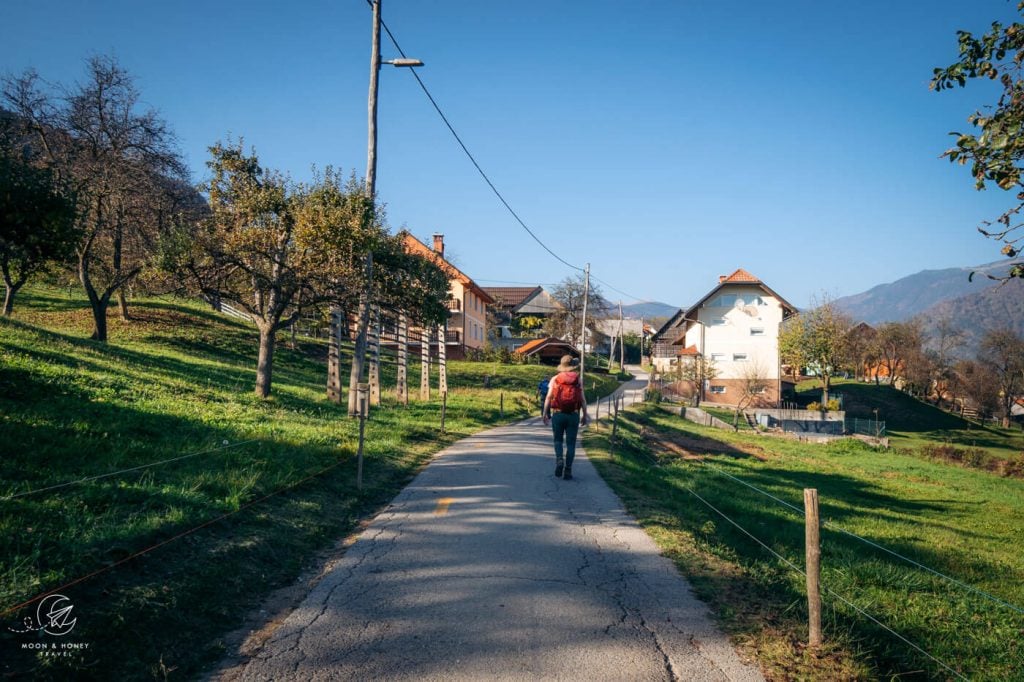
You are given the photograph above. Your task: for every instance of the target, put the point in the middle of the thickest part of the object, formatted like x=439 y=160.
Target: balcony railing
x=454 y=304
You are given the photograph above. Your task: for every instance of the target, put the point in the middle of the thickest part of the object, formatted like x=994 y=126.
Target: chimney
x=721 y=278
x=439 y=244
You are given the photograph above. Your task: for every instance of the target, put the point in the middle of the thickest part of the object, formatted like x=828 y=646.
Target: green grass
x=176 y=380
x=964 y=523
x=919 y=428
x=727 y=415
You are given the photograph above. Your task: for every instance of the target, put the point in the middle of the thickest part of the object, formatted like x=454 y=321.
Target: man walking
x=563 y=407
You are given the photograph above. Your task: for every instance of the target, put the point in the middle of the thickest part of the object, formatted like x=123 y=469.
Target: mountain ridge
x=914 y=294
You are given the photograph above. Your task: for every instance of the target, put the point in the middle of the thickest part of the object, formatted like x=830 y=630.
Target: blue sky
x=663 y=142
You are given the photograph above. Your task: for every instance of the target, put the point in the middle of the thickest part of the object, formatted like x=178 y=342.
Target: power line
x=627 y=295
x=470 y=155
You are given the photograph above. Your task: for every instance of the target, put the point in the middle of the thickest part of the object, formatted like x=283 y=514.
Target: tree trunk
x=265 y=363
x=12 y=289
x=122 y=304
x=99 y=320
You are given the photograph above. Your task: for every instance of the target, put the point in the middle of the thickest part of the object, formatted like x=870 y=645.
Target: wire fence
x=836 y=528
x=866 y=427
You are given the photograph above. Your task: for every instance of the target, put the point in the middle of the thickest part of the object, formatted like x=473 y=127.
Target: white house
x=736 y=327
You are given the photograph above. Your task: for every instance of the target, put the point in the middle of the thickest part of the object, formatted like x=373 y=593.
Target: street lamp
x=402 y=62
x=359 y=356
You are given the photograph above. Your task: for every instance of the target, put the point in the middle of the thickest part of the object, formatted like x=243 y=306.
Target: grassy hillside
x=966 y=524
x=273 y=481
x=916 y=427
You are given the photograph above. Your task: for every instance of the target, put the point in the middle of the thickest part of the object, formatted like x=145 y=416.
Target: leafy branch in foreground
x=996 y=154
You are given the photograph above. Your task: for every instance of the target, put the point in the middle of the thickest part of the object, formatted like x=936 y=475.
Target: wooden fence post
x=362 y=403
x=444 y=408
x=813 y=543
x=615 y=419
x=501 y=405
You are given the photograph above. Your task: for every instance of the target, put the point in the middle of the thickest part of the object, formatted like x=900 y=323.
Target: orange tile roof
x=741 y=275
x=415 y=246
x=537 y=344
x=689 y=350
x=527 y=347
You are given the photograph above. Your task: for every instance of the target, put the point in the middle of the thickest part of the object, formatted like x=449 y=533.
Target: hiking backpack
x=568 y=395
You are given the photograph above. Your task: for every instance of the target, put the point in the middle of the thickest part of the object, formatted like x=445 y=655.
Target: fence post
x=363 y=399
x=501 y=405
x=813 y=549
x=615 y=419
x=444 y=408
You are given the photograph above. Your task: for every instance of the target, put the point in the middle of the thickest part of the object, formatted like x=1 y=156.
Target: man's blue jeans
x=565 y=426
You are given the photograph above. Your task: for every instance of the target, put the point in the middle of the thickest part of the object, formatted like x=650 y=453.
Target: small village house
x=467 y=302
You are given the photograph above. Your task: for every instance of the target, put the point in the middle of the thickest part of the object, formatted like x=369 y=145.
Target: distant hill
x=648 y=309
x=992 y=308
x=913 y=295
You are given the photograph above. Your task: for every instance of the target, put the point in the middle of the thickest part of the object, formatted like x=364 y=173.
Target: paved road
x=488 y=567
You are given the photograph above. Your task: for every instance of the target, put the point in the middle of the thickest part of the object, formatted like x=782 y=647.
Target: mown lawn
x=964 y=523
x=176 y=383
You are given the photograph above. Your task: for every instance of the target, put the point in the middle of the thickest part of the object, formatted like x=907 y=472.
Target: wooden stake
x=337 y=332
x=442 y=359
x=425 y=364
x=444 y=408
x=615 y=419
x=813 y=543
x=362 y=402
x=402 y=385
x=373 y=341
x=501 y=405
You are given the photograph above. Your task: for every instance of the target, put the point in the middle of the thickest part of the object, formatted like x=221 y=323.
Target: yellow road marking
x=442 y=506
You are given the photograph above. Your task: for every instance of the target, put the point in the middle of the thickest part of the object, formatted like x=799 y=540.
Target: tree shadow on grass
x=855 y=569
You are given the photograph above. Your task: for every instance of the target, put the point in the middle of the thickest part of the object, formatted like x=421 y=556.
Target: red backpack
x=568 y=395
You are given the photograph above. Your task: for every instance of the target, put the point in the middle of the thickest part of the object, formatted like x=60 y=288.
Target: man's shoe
x=567 y=476
x=558 y=471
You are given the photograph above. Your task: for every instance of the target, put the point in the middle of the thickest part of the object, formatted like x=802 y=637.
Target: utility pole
x=583 y=343
x=371 y=153
x=622 y=338
x=359 y=357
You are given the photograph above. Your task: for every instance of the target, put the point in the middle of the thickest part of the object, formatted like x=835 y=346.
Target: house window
x=718 y=357
x=736 y=301
x=757 y=331
x=718 y=389
x=717 y=321
x=739 y=357
x=758 y=390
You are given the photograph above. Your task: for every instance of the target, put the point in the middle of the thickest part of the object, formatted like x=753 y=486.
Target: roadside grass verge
x=963 y=523
x=273 y=480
